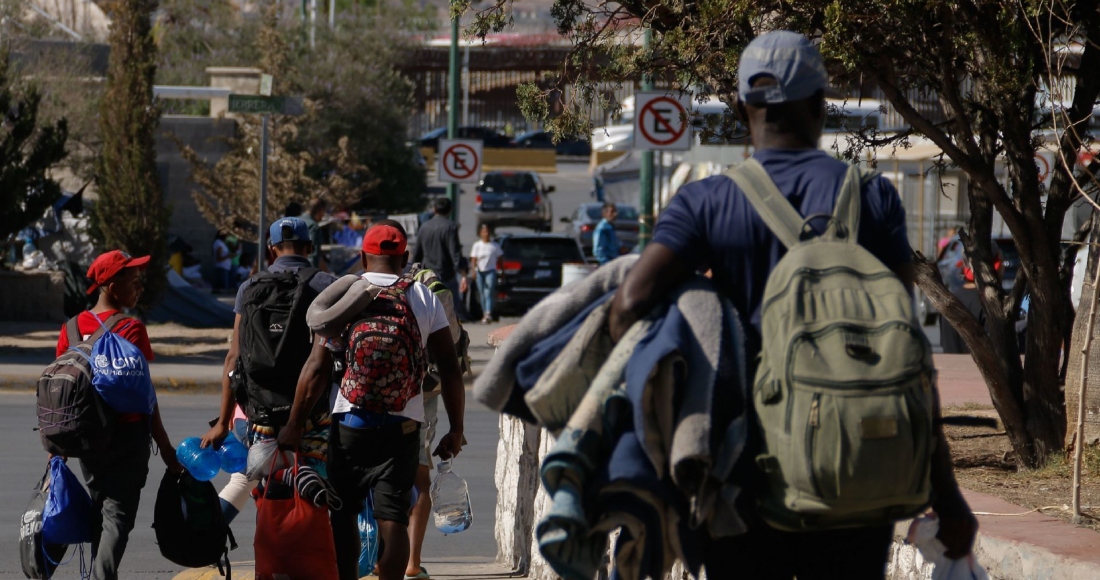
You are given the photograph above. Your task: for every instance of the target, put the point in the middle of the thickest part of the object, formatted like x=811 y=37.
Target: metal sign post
x=266 y=106
x=262 y=251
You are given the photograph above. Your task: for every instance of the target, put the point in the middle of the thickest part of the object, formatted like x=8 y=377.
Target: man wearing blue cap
x=710 y=224
x=265 y=365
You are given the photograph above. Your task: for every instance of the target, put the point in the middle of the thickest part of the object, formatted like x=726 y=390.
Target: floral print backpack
x=386 y=360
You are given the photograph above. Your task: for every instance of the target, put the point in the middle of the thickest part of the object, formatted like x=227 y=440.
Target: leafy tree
x=130 y=213
x=359 y=96
x=985 y=64
x=349 y=78
x=29 y=148
x=228 y=193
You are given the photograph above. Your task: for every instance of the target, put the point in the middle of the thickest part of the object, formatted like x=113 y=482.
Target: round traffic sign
x=668 y=122
x=460 y=161
x=1044 y=167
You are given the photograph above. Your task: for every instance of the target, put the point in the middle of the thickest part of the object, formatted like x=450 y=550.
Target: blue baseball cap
x=288 y=229
x=788 y=57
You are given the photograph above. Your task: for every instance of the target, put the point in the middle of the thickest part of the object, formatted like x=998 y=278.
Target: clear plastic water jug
x=201 y=463
x=450 y=501
x=233 y=455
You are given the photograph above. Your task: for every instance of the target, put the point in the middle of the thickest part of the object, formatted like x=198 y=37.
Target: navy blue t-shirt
x=710 y=224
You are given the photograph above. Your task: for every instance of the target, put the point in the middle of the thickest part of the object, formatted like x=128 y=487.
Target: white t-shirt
x=430 y=317
x=219 y=247
x=486 y=254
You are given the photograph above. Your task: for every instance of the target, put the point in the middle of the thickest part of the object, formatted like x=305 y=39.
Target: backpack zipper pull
x=815 y=408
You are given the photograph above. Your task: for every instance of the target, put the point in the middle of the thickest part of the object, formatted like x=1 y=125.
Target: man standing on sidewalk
x=711 y=224
x=438 y=249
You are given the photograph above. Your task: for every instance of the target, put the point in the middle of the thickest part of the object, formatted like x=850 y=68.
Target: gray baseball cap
x=788 y=57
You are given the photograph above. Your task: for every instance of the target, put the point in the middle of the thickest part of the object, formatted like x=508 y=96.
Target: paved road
x=23 y=462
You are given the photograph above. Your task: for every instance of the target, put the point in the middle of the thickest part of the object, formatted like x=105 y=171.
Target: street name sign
x=266 y=105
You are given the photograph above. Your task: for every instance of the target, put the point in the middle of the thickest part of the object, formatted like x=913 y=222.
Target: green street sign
x=265 y=105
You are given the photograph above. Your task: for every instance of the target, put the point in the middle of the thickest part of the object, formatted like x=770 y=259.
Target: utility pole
x=452 y=108
x=645 y=173
x=332 y=14
x=466 y=86
x=263 y=196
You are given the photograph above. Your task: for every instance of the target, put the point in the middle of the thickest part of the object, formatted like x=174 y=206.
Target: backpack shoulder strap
x=778 y=213
x=72 y=331
x=305 y=275
x=106 y=325
x=848 y=202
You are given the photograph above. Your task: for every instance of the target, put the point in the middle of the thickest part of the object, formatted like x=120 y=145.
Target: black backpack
x=73 y=420
x=275 y=343
x=189 y=524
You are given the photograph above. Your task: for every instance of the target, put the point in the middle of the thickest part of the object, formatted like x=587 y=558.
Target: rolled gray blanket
x=339 y=305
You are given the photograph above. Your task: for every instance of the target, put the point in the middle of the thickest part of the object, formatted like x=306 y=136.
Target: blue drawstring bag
x=368 y=535
x=120 y=374
x=67 y=518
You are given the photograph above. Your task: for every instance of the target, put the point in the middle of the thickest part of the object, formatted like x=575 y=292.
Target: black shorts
x=383 y=459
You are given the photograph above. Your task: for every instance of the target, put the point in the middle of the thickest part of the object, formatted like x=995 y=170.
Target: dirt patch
x=984 y=462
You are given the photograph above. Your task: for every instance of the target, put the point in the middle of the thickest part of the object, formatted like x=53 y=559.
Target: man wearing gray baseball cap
x=711 y=225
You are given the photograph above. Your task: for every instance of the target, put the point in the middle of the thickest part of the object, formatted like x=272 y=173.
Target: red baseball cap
x=384 y=240
x=108 y=265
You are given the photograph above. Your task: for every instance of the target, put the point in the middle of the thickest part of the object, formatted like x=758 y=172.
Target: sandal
x=423 y=575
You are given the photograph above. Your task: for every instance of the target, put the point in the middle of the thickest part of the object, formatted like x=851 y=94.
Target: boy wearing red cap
x=372 y=451
x=116 y=477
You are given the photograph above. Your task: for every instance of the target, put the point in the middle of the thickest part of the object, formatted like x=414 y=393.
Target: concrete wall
x=32 y=296
x=207 y=136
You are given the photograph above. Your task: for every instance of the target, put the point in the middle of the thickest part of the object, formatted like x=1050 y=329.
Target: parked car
x=532 y=268
x=514 y=198
x=489 y=136
x=582 y=224
x=951 y=261
x=543 y=140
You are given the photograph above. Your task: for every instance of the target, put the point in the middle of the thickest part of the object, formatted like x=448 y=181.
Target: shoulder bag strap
x=846 y=212
x=778 y=213
x=106 y=325
x=305 y=275
x=72 y=331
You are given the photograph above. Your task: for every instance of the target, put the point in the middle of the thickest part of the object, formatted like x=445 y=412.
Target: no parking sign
x=460 y=160
x=662 y=122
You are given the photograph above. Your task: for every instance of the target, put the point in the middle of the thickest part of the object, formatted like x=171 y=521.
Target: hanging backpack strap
x=778 y=213
x=846 y=212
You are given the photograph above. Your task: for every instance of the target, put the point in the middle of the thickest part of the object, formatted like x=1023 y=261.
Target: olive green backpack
x=844 y=387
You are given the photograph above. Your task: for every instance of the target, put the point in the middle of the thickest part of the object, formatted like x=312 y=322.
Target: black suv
x=532 y=268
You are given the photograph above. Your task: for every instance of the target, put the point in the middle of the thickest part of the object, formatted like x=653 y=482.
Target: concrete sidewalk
x=439 y=569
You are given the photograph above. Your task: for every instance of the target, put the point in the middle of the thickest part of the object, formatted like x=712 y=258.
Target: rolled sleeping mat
x=339 y=305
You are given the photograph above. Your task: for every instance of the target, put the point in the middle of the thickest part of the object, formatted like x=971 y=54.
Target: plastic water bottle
x=233 y=455
x=450 y=501
x=201 y=463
